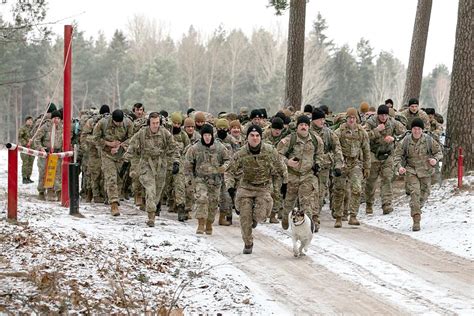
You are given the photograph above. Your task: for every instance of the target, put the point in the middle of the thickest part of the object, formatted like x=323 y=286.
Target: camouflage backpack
x=291 y=147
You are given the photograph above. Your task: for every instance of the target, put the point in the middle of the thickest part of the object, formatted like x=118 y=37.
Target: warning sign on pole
x=50 y=174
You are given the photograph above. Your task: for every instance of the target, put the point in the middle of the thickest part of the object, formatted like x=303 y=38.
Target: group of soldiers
x=248 y=163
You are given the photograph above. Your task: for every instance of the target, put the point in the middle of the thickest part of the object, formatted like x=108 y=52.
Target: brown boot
x=353 y=220
x=222 y=220
x=316 y=223
x=151 y=219
x=273 y=218
x=416 y=222
x=138 y=199
x=387 y=209
x=284 y=222
x=208 y=227
x=89 y=196
x=369 y=210
x=41 y=196
x=201 y=224
x=114 y=209
x=344 y=217
x=338 y=223
x=247 y=249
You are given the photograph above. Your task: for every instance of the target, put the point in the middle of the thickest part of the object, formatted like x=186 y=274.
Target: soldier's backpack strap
x=429 y=143
x=293 y=143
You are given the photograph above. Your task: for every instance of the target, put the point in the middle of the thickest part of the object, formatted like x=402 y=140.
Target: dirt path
x=356 y=271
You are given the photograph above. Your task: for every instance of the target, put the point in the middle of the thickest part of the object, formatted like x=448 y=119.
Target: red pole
x=12 y=184
x=67 y=113
x=460 y=167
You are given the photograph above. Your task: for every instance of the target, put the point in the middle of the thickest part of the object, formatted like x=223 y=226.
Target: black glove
x=315 y=169
x=283 y=189
x=231 y=193
x=337 y=172
x=124 y=169
x=175 y=167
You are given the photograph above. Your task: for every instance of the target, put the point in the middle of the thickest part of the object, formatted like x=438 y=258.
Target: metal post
x=460 y=167
x=12 y=184
x=67 y=113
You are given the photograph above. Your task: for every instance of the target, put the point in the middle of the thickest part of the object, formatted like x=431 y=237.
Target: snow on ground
x=54 y=262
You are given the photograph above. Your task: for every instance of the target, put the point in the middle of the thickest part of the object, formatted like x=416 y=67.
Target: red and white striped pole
x=12 y=184
x=67 y=114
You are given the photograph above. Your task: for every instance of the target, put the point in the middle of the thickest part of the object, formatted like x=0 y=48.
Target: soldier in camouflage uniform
x=332 y=154
x=155 y=147
x=254 y=164
x=356 y=152
x=382 y=131
x=49 y=139
x=112 y=134
x=175 y=183
x=435 y=128
x=139 y=122
x=303 y=158
x=273 y=136
x=236 y=133
x=413 y=112
x=24 y=138
x=205 y=162
x=199 y=120
x=415 y=157
x=190 y=129
x=256 y=118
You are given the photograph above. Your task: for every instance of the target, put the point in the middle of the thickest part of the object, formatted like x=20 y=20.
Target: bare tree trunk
x=118 y=88
x=85 y=96
x=209 y=86
x=295 y=54
x=417 y=51
x=232 y=85
x=460 y=106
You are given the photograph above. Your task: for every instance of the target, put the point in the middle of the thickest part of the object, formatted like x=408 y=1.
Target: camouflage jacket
x=106 y=130
x=270 y=139
x=43 y=139
x=138 y=124
x=206 y=162
x=420 y=114
x=255 y=170
x=436 y=129
x=24 y=135
x=332 y=153
x=378 y=146
x=304 y=150
x=354 y=145
x=415 y=157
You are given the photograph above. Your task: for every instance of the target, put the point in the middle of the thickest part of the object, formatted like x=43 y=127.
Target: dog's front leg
x=295 y=247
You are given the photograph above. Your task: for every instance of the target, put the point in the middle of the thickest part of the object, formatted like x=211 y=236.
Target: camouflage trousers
x=225 y=202
x=152 y=178
x=95 y=174
x=41 y=163
x=419 y=189
x=323 y=177
x=27 y=165
x=113 y=182
x=135 y=175
x=85 y=180
x=254 y=204
x=351 y=180
x=189 y=189
x=206 y=197
x=276 y=195
x=384 y=169
x=175 y=188
x=303 y=189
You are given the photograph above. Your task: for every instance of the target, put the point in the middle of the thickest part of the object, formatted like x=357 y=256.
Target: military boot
x=316 y=223
x=41 y=196
x=114 y=209
x=387 y=209
x=338 y=223
x=229 y=218
x=353 y=220
x=158 y=209
x=273 y=218
x=138 y=199
x=368 y=209
x=201 y=224
x=209 y=227
x=416 y=222
x=99 y=199
x=247 y=249
x=284 y=222
x=25 y=180
x=222 y=219
x=182 y=216
x=151 y=219
x=344 y=216
x=29 y=180
x=89 y=196
x=58 y=195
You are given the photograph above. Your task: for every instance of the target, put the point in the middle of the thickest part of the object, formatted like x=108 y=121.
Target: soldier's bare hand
x=380 y=127
x=388 y=139
x=293 y=163
x=402 y=170
x=432 y=161
x=114 y=150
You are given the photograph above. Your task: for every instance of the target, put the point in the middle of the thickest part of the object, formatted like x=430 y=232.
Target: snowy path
x=362 y=270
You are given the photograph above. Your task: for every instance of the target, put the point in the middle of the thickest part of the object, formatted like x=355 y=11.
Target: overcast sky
x=387 y=24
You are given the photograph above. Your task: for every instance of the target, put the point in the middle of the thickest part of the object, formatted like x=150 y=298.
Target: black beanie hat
x=280 y=115
x=56 y=113
x=389 y=101
x=117 y=116
x=383 y=109
x=164 y=113
x=256 y=113
x=417 y=122
x=413 y=101
x=324 y=108
x=52 y=108
x=104 y=109
x=286 y=120
x=430 y=111
x=302 y=119
x=317 y=114
x=308 y=108
x=254 y=128
x=277 y=123
x=207 y=129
